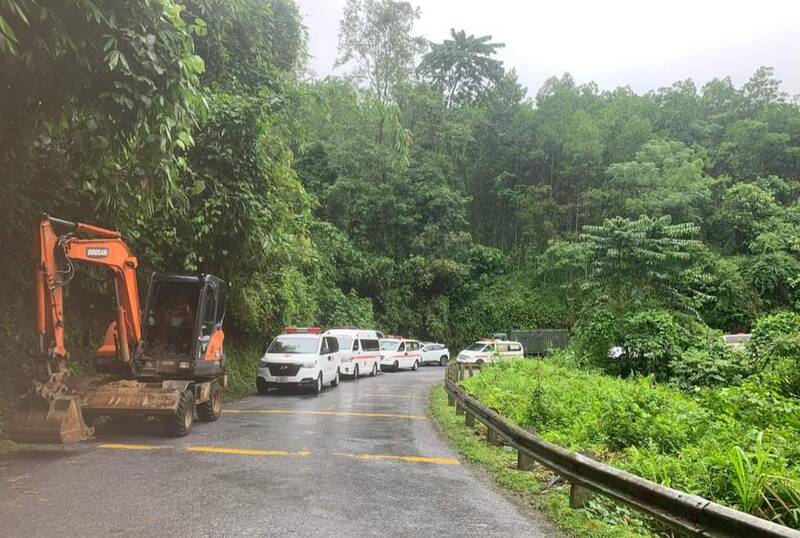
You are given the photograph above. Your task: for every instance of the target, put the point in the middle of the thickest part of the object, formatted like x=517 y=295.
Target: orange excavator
x=166 y=361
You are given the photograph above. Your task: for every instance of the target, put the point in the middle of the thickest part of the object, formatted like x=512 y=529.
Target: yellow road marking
x=115 y=446
x=379 y=395
x=287 y=453
x=245 y=451
x=410 y=459
x=325 y=413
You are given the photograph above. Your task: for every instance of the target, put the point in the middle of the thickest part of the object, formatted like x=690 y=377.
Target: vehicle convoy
x=398 y=352
x=300 y=357
x=433 y=353
x=490 y=350
x=166 y=361
x=359 y=351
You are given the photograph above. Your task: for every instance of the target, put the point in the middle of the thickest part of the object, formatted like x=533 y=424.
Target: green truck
x=540 y=341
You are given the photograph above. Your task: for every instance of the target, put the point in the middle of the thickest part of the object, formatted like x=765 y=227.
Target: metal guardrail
x=685 y=512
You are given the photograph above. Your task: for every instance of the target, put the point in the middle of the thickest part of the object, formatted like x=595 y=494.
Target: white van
x=359 y=351
x=489 y=351
x=398 y=352
x=299 y=357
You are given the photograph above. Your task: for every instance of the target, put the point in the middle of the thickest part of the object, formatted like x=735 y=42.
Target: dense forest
x=424 y=192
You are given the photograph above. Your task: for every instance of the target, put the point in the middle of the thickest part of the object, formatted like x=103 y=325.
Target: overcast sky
x=641 y=43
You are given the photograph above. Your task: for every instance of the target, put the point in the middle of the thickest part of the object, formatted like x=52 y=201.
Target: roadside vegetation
x=735 y=445
x=600 y=518
x=425 y=192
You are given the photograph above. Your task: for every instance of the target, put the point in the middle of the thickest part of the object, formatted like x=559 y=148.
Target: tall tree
x=376 y=35
x=462 y=67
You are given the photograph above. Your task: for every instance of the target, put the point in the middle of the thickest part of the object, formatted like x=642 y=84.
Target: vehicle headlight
x=310 y=364
x=262 y=363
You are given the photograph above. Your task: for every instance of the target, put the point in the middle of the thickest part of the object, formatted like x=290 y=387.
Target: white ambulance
x=490 y=350
x=398 y=352
x=359 y=351
x=300 y=357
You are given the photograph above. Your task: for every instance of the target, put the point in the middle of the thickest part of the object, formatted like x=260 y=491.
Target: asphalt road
x=363 y=459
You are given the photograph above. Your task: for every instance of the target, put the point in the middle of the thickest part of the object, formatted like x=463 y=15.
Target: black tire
x=355 y=372
x=374 y=371
x=211 y=410
x=396 y=366
x=443 y=360
x=479 y=362
x=335 y=380
x=317 y=388
x=179 y=424
x=261 y=386
x=415 y=367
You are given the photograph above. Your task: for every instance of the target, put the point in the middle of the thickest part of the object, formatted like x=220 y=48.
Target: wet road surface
x=363 y=459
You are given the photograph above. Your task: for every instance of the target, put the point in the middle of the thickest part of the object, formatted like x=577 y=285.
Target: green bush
x=707 y=442
x=708 y=363
x=767 y=329
x=651 y=338
x=644 y=415
x=775 y=348
x=594 y=336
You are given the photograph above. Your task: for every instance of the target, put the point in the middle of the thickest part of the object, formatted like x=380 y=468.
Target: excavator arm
x=55 y=255
x=50 y=411
x=182 y=367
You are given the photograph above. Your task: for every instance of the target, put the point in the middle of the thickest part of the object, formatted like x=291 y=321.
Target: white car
x=299 y=357
x=489 y=351
x=434 y=354
x=398 y=352
x=359 y=351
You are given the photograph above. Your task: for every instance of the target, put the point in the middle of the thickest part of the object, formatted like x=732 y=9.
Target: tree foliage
x=377 y=36
x=425 y=192
x=462 y=67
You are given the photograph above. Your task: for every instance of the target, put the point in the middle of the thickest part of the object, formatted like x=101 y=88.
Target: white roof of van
x=352 y=333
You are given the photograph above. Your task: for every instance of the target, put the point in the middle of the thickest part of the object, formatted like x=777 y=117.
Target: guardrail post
x=460 y=373
x=450 y=400
x=525 y=462
x=469 y=420
x=492 y=438
x=579 y=496
x=459 y=409
x=470 y=370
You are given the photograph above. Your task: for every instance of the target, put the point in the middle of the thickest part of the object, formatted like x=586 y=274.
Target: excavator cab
x=182 y=328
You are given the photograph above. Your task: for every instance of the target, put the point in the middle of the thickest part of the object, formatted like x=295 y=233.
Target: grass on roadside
x=600 y=518
x=241 y=364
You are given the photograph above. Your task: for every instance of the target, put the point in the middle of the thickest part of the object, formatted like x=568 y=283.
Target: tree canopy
x=424 y=190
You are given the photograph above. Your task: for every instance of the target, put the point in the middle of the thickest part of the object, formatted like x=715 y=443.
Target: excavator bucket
x=56 y=420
